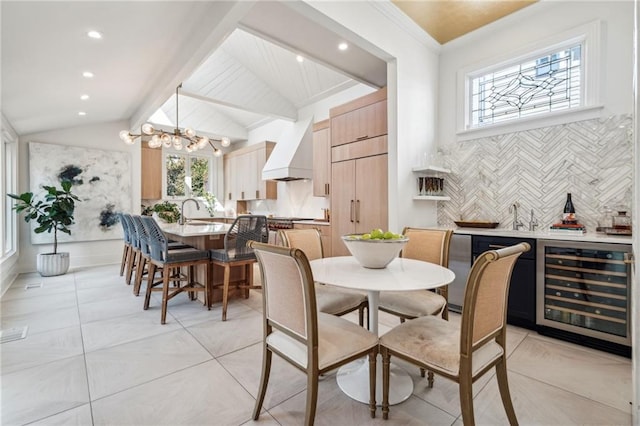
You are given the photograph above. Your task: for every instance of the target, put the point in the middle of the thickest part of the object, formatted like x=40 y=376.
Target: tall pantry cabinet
x=359 y=166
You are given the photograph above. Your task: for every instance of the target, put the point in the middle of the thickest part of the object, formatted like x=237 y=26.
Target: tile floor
x=92 y=356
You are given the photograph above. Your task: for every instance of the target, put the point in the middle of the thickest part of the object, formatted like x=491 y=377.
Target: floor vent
x=15 y=333
x=34 y=285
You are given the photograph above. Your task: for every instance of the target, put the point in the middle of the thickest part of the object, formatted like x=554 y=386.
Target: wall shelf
x=431 y=198
x=430 y=169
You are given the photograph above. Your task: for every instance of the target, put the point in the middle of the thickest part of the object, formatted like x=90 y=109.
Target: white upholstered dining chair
x=466 y=352
x=312 y=341
x=329 y=300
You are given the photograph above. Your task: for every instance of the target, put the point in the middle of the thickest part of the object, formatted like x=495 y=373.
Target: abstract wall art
x=101 y=179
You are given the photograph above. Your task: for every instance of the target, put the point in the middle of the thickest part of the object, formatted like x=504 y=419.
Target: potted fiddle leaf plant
x=53 y=213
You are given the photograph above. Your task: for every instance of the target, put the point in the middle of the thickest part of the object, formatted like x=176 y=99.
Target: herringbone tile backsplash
x=592 y=159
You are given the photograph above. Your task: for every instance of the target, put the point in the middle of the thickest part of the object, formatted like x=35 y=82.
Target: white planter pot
x=50 y=264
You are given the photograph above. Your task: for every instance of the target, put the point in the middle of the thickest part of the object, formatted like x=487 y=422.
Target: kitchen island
x=205 y=235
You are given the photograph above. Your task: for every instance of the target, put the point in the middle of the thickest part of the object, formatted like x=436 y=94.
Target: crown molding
x=398 y=17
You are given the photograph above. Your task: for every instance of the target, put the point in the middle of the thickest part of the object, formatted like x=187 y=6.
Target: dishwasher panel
x=460 y=264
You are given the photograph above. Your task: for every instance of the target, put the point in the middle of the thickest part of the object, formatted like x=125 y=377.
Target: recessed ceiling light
x=94 y=34
x=343 y=46
x=87 y=74
x=84 y=97
x=300 y=58
x=82 y=113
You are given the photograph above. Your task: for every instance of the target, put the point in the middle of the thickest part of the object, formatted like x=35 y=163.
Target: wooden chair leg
x=225 y=291
x=139 y=274
x=503 y=385
x=445 y=313
x=312 y=398
x=386 y=360
x=123 y=262
x=150 y=278
x=466 y=400
x=166 y=272
x=249 y=276
x=264 y=381
x=361 y=316
x=372 y=383
x=430 y=378
x=132 y=264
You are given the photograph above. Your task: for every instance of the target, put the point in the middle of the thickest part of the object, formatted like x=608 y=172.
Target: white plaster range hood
x=292 y=157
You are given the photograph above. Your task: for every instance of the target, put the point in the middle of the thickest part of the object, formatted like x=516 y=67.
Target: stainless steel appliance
x=276 y=223
x=583 y=293
x=460 y=264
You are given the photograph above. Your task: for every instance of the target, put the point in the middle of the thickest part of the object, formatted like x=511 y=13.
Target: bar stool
x=171 y=261
x=236 y=253
x=126 y=252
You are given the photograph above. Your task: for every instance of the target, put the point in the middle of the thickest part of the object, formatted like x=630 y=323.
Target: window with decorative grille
x=531 y=87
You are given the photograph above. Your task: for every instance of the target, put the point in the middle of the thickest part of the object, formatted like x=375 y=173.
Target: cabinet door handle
x=497 y=246
x=242 y=195
x=257 y=194
x=326 y=189
x=351 y=212
x=358 y=211
x=229 y=196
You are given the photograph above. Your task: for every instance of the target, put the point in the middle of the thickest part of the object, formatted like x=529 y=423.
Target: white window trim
x=589 y=35
x=8 y=221
x=213 y=164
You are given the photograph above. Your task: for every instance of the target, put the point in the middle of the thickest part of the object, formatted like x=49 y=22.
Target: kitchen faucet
x=517 y=223
x=533 y=222
x=181 y=221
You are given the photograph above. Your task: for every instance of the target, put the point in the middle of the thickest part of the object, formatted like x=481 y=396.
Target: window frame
x=188 y=156
x=588 y=36
x=9 y=183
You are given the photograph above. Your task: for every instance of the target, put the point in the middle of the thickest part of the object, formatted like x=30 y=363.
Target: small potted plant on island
x=53 y=213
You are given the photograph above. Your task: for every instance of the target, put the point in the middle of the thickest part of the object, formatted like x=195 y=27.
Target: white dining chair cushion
x=336 y=301
x=338 y=339
x=420 y=303
x=436 y=342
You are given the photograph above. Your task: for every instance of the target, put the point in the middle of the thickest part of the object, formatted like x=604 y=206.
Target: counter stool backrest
x=244 y=229
x=132 y=230
x=143 y=236
x=158 y=242
x=125 y=228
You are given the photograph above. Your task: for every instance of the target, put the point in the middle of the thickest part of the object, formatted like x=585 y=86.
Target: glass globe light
x=225 y=142
x=124 y=135
x=217 y=152
x=151 y=143
x=147 y=129
x=189 y=132
x=177 y=146
x=188 y=148
x=166 y=140
x=176 y=140
x=203 y=142
x=156 y=140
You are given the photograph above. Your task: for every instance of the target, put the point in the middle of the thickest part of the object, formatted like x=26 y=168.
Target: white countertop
x=546 y=235
x=196 y=228
x=312 y=222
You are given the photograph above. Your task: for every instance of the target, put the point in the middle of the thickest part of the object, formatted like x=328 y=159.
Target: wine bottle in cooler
x=569 y=215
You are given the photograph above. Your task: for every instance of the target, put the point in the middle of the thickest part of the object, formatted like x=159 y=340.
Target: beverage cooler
x=583 y=293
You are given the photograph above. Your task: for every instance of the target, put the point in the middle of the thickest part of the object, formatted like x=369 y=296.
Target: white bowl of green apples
x=375 y=249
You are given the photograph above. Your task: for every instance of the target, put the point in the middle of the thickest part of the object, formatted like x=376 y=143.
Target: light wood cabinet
x=151 y=173
x=322 y=159
x=363 y=118
x=243 y=173
x=360 y=202
x=359 y=168
x=325 y=235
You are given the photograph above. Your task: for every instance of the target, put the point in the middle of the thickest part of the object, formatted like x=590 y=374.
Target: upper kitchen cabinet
x=360 y=119
x=243 y=173
x=322 y=158
x=151 y=176
x=359 y=165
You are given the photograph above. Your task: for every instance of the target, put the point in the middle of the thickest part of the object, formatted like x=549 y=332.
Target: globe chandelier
x=179 y=139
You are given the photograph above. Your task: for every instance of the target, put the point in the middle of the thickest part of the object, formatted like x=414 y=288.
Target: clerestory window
x=555 y=76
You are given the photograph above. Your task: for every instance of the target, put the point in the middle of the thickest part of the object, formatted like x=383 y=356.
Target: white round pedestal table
x=400 y=275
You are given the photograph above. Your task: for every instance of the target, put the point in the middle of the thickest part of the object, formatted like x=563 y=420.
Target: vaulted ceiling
x=237 y=61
